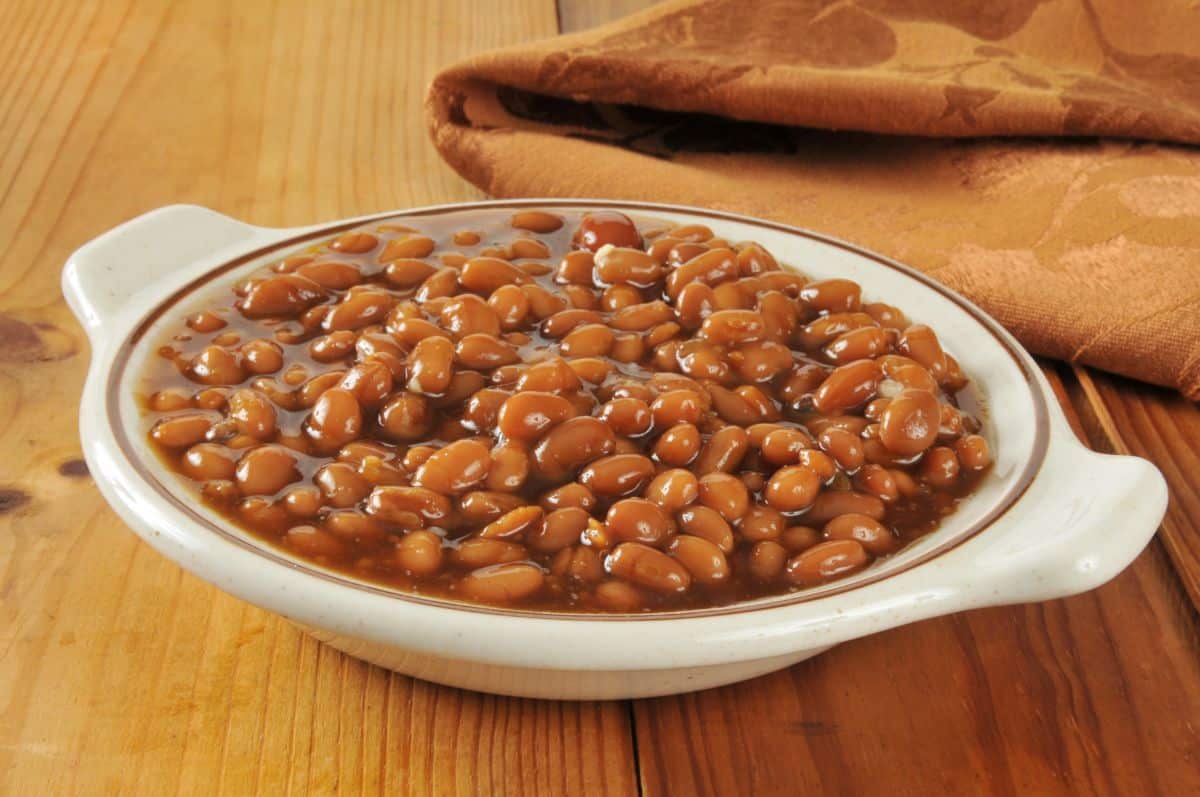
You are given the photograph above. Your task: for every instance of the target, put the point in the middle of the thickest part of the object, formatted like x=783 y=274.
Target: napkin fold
x=1038 y=156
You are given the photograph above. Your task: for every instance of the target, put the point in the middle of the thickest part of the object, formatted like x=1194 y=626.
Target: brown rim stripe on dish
x=1032 y=466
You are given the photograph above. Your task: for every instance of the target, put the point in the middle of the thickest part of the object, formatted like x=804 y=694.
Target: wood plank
x=577 y=15
x=1093 y=694
x=1128 y=417
x=118 y=672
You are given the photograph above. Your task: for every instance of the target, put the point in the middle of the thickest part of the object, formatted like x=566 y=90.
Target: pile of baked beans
x=565 y=411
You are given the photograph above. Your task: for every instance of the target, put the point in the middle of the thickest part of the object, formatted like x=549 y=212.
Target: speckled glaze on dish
x=1051 y=519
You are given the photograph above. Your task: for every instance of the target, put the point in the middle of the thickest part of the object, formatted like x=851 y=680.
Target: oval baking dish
x=1050 y=519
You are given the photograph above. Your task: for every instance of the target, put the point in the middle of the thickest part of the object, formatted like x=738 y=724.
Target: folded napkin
x=1037 y=155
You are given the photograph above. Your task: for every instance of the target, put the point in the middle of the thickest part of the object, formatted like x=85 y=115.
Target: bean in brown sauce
x=567 y=411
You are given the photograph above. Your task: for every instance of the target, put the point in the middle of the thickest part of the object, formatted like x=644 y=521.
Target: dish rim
x=122 y=357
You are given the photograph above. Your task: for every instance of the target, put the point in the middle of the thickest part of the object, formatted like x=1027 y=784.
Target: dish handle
x=105 y=273
x=1084 y=520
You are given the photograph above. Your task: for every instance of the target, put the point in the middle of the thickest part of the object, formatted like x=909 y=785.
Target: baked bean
x=973 y=452
x=784 y=446
x=848 y=386
x=823 y=330
x=703 y=560
x=761 y=523
x=872 y=535
x=181 y=430
x=628 y=417
x=580 y=564
x=723 y=452
x=615 y=417
x=542 y=303
x=407 y=416
x=513 y=523
x=286 y=294
x=677 y=407
x=827 y=561
x=679 y=445
x=408 y=506
x=761 y=361
x=487 y=274
x=921 y=344
x=621 y=265
x=529 y=414
x=832 y=503
x=572 y=443
x=640 y=317
x=887 y=316
x=729 y=327
x=420 y=553
x=712 y=268
x=266 y=469
x=558 y=529
x=335 y=420
x=469 y=315
x=455 y=468
x=693 y=304
x=503 y=583
x=648 y=567
x=939 y=467
x=431 y=366
x=538 y=221
x=216 y=366
x=206 y=461
x=753 y=259
x=733 y=407
x=877 y=480
x=510 y=467
x=606 y=228
x=618 y=474
x=725 y=494
x=552 y=376
x=334 y=275
x=799 y=538
x=845 y=447
x=792 y=488
x=511 y=306
x=857 y=344
x=170 y=401
x=588 y=340
x=370 y=382
x=638 y=520
x=253 y=413
x=262 y=357
x=835 y=295
x=627 y=348
x=303 y=501
x=701 y=360
x=618 y=596
x=617 y=297
x=569 y=495
x=909 y=423
x=767 y=560
x=358 y=310
x=673 y=489
x=341 y=485
x=759 y=401
x=314 y=541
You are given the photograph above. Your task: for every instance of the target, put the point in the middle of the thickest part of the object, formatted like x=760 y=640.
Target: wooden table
x=119 y=673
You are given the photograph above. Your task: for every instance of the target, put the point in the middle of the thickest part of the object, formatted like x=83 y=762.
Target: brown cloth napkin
x=1086 y=245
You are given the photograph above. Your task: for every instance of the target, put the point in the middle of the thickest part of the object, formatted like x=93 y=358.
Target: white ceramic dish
x=1052 y=518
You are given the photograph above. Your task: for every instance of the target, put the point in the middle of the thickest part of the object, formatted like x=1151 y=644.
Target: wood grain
x=1127 y=417
x=118 y=672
